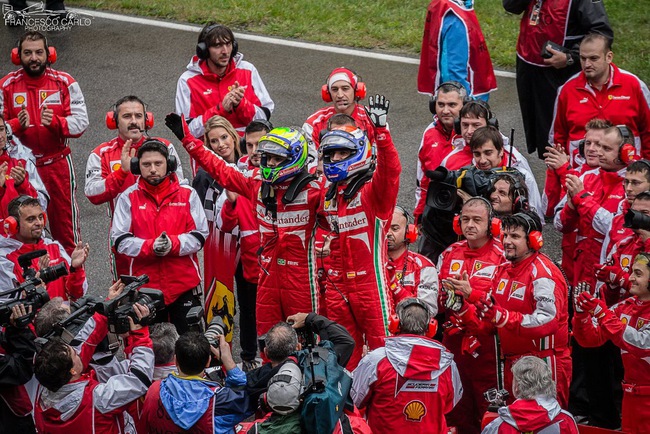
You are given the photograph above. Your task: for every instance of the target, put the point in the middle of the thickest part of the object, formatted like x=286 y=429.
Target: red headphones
x=11 y=225
x=51 y=54
x=535 y=239
x=411 y=231
x=627 y=152
x=359 y=87
x=111 y=120
x=494 y=228
x=394 y=324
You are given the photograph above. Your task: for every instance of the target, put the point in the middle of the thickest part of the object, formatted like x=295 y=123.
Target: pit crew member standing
x=45 y=108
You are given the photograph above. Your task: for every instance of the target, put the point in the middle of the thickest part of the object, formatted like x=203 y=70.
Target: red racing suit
x=480 y=73
x=617 y=231
x=407 y=386
x=200 y=93
x=539 y=415
x=626 y=325
x=622 y=257
x=474 y=354
x=16 y=151
x=287 y=283
x=413 y=275
x=624 y=100
x=9 y=191
x=71 y=286
x=58 y=91
x=534 y=293
x=88 y=405
x=592 y=217
x=105 y=180
x=142 y=213
x=436 y=144
x=358 y=298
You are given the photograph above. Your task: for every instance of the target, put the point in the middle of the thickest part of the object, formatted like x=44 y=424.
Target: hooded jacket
x=537 y=415
x=407 y=386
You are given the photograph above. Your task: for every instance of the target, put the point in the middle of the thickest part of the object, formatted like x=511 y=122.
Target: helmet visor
x=273 y=145
x=336 y=141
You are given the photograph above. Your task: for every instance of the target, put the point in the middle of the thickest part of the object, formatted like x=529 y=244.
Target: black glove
x=177 y=125
x=377 y=110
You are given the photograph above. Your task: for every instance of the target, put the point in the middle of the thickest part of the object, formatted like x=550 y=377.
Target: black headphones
x=454 y=84
x=202 y=48
x=242 y=141
x=410 y=231
x=153 y=145
x=519 y=197
x=485 y=107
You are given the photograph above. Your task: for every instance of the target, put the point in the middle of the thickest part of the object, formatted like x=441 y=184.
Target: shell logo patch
x=501 y=287
x=414 y=411
x=455 y=266
x=116 y=165
x=20 y=99
x=626 y=260
x=625 y=319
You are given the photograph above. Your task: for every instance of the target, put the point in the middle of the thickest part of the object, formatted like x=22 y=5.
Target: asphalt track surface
x=112 y=58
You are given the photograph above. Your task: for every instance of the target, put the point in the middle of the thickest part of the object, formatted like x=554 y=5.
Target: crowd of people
x=431 y=314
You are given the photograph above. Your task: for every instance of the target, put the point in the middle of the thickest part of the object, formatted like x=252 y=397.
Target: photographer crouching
x=17 y=350
x=74 y=398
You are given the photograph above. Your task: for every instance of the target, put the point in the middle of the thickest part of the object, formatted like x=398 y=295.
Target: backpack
x=324 y=398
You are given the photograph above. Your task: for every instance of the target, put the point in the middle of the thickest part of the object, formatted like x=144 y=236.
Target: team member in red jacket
x=25 y=234
x=358 y=203
x=601 y=90
x=160 y=225
x=219 y=82
x=477 y=257
x=108 y=170
x=345 y=89
x=411 y=383
x=536 y=408
x=437 y=139
x=287 y=200
x=453 y=48
x=409 y=274
x=45 y=108
x=527 y=303
x=238 y=214
x=615 y=271
x=71 y=398
x=626 y=325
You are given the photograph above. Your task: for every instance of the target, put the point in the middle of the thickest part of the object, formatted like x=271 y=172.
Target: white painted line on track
x=267 y=40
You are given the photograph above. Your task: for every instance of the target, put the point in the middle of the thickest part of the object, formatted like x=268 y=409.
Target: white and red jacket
x=88 y=405
x=105 y=179
x=57 y=91
x=479 y=264
x=413 y=275
x=200 y=93
x=617 y=231
x=142 y=213
x=629 y=329
x=480 y=73
x=21 y=153
x=539 y=415
x=622 y=257
x=436 y=144
x=592 y=218
x=287 y=283
x=407 y=386
x=358 y=252
x=71 y=286
x=623 y=100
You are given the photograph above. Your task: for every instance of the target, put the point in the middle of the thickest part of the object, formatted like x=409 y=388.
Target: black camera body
x=636 y=220
x=496 y=398
x=119 y=309
x=35 y=296
x=545 y=54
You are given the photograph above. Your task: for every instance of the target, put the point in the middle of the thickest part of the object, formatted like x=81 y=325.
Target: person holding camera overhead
x=24 y=228
x=160 y=225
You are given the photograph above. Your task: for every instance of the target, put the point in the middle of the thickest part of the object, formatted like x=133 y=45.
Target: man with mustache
x=601 y=90
x=108 y=170
x=45 y=109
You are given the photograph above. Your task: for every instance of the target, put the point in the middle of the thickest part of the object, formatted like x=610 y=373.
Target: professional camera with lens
x=636 y=220
x=119 y=309
x=215 y=329
x=496 y=398
x=47 y=274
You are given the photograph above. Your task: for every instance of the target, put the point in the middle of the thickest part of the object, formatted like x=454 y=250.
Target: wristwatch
x=569 y=59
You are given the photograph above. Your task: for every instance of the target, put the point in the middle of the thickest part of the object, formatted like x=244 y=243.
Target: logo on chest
x=517 y=290
x=20 y=99
x=50 y=97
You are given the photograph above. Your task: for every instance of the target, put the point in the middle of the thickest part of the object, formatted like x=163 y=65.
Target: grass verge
x=391 y=25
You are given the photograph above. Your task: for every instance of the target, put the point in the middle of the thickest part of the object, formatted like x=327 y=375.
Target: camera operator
x=26 y=235
x=281 y=341
x=536 y=407
x=187 y=400
x=71 y=397
x=17 y=350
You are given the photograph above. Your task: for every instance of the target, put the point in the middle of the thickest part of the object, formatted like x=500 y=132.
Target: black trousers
x=246 y=299
x=176 y=312
x=537 y=89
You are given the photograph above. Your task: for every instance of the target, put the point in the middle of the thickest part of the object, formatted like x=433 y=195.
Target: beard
x=34 y=72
